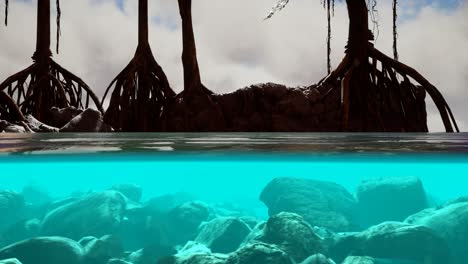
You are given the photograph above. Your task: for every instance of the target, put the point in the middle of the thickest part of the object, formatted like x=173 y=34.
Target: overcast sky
x=237 y=48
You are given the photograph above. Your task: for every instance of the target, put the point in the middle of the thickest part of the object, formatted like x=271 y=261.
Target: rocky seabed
x=386 y=221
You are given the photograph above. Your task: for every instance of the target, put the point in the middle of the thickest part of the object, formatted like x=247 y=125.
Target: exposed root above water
x=46 y=84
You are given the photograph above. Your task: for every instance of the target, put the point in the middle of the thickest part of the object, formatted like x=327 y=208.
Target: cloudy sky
x=237 y=48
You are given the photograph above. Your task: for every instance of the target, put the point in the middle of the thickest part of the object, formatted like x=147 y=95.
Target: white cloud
x=237 y=48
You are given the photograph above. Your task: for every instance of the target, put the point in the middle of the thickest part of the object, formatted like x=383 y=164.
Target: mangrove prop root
x=345 y=82
x=9 y=110
x=45 y=85
x=404 y=70
x=388 y=88
x=140 y=93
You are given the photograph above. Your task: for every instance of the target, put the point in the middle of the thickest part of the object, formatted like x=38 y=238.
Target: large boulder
x=58 y=117
x=166 y=202
x=259 y=253
x=50 y=250
x=12 y=208
x=389 y=199
x=183 y=221
x=291 y=233
x=38 y=126
x=95 y=214
x=100 y=250
x=223 y=234
x=321 y=203
x=451 y=223
x=89 y=120
x=152 y=224
x=393 y=240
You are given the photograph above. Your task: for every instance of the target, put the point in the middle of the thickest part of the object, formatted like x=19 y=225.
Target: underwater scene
x=234 y=198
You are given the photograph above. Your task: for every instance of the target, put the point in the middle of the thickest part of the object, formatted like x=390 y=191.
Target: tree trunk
x=192 y=81
x=143 y=24
x=42 y=58
x=43 y=31
x=359 y=33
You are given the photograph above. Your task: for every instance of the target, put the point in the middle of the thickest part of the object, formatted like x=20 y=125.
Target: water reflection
x=234 y=142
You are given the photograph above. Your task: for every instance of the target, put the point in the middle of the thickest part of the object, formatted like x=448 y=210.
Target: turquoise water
x=238 y=178
x=230 y=171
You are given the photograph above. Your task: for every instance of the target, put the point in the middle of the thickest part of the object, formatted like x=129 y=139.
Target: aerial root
x=387 y=88
x=36 y=90
x=140 y=93
x=406 y=71
x=9 y=110
x=345 y=83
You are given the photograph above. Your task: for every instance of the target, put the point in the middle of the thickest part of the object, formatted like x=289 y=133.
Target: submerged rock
x=12 y=208
x=291 y=233
x=21 y=230
x=183 y=221
x=151 y=255
x=451 y=223
x=199 y=258
x=157 y=227
x=89 y=120
x=35 y=195
x=321 y=203
x=100 y=250
x=131 y=191
x=462 y=199
x=10 y=261
x=359 y=260
x=194 y=253
x=165 y=203
x=393 y=240
x=47 y=250
x=118 y=261
x=318 y=259
x=223 y=235
x=96 y=214
x=259 y=253
x=369 y=260
x=389 y=199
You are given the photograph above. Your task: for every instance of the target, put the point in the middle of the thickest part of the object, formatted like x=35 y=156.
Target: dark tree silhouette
x=192 y=80
x=8 y=109
x=141 y=91
x=45 y=83
x=196 y=108
x=372 y=83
